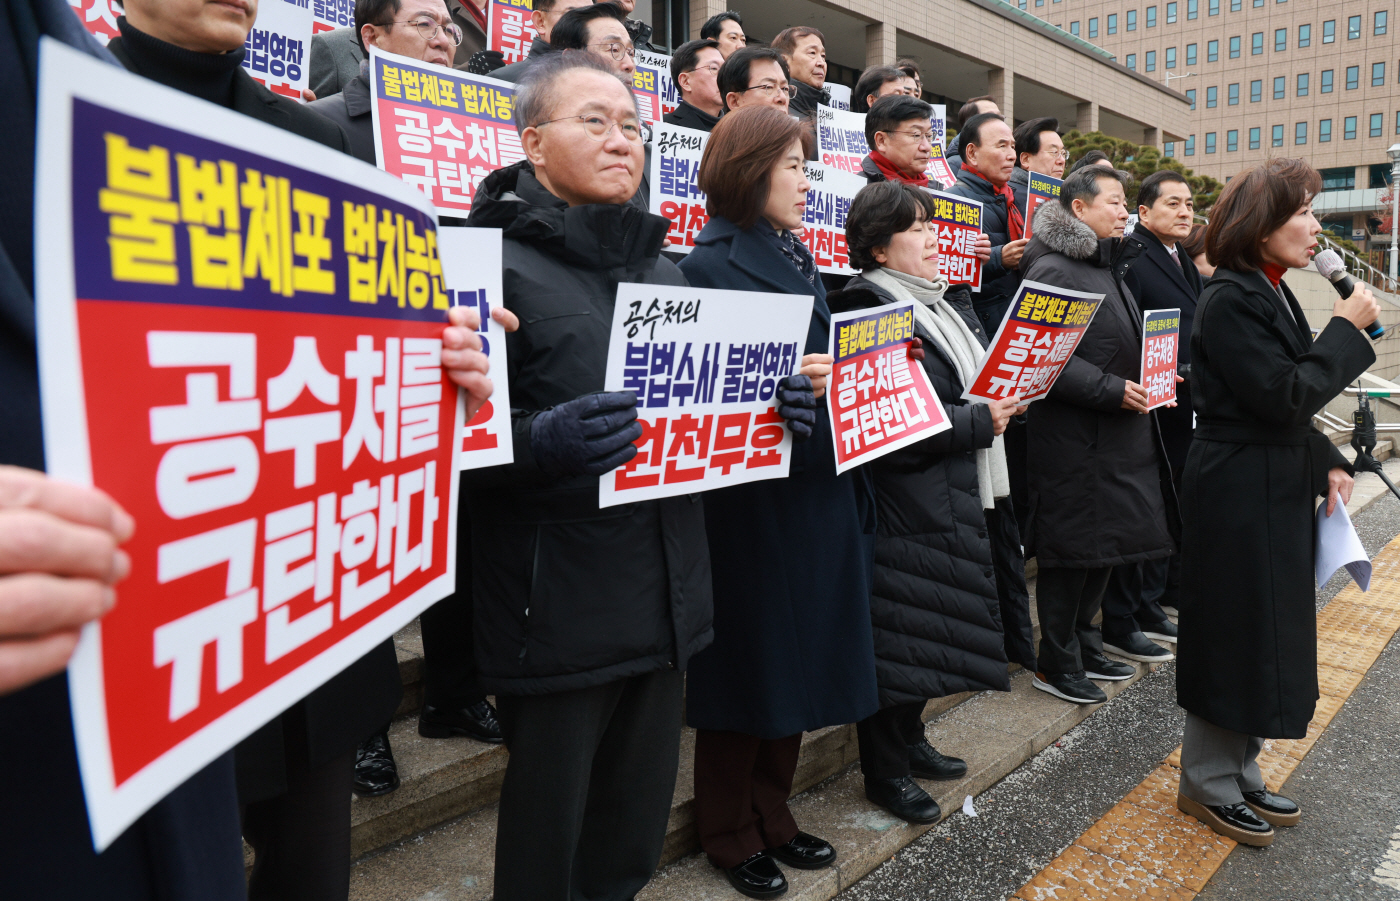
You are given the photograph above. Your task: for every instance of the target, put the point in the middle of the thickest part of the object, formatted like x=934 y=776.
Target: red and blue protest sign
x=650 y=82
x=508 y=28
x=277 y=51
x=959 y=225
x=331 y=14
x=1161 y=334
x=1035 y=340
x=841 y=139
x=1039 y=189
x=824 y=219
x=938 y=168
x=242 y=347
x=440 y=129
x=879 y=398
x=675 y=186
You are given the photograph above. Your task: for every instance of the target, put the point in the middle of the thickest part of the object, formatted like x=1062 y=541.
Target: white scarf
x=956 y=340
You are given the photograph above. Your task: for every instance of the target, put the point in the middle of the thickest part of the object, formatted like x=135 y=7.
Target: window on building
x=1232 y=140
x=1074 y=28
x=1256 y=43
x=1329 y=31
x=1324 y=131
x=1213 y=7
x=1349 y=128
x=1278 y=135
x=1304 y=36
x=1353 y=28
x=1342 y=178
x=1234 y=6
x=1280 y=87
x=1169 y=148
x=1171 y=57
x=1039 y=2
x=1152 y=17
x=1353 y=77
x=1377 y=125
x=1380 y=24
x=1191 y=9
x=1380 y=175
x=1171 y=14
x=1132 y=20
x=1256 y=90
x=1191 y=96
x=1377 y=75
x=1150 y=64
x=1300 y=133
x=1326 y=81
x=1210 y=142
x=1094 y=27
x=1258 y=3
x=1190 y=145
x=1280 y=40
x=1397 y=122
x=1212 y=51
x=1211 y=97
x=1113 y=23
x=1254 y=139
x=1190 y=54
x=1132 y=61
x=1234 y=94
x=1235 y=47
x=1302 y=84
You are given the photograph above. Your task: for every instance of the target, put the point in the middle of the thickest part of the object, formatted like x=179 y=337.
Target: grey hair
x=536 y=98
x=1084 y=184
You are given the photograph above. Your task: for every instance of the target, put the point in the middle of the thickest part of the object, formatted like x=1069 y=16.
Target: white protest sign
x=824 y=220
x=675 y=187
x=840 y=95
x=841 y=139
x=277 y=52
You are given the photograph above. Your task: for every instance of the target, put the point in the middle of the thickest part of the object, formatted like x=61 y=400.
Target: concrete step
x=994 y=731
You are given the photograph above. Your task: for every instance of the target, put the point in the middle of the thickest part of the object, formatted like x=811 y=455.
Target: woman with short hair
x=934 y=608
x=1248 y=650
x=790 y=558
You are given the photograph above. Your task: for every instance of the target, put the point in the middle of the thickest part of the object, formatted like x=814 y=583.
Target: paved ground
x=1348 y=783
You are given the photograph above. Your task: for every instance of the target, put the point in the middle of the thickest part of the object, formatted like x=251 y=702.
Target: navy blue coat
x=791 y=559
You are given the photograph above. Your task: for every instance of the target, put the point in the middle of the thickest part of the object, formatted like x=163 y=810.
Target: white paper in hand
x=1338 y=546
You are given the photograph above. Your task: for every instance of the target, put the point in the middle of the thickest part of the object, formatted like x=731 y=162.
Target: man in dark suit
x=1163 y=278
x=695 y=71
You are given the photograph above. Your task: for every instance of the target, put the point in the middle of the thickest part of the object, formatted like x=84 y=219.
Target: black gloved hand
x=589 y=435
x=798 y=405
x=484 y=62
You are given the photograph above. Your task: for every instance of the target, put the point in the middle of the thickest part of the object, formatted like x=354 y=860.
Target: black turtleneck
x=208 y=76
x=690 y=116
x=807 y=99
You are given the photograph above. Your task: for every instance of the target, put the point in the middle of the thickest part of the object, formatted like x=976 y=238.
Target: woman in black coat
x=934 y=608
x=790 y=558
x=1248 y=649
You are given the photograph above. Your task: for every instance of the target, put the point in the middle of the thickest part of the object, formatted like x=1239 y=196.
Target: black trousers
x=1009 y=563
x=301 y=838
x=1127 y=603
x=742 y=786
x=449 y=659
x=1067 y=600
x=885 y=737
x=588 y=789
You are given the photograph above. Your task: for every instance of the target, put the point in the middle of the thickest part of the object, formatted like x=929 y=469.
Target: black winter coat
x=998 y=282
x=688 y=116
x=1100 y=490
x=351 y=109
x=1247 y=660
x=791 y=557
x=934 y=608
x=569 y=595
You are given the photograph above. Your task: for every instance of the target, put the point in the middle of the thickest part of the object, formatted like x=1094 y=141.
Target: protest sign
x=439 y=129
x=331 y=14
x=880 y=399
x=471 y=269
x=508 y=29
x=939 y=121
x=938 y=169
x=840 y=95
x=651 y=82
x=705 y=365
x=1035 y=340
x=99 y=17
x=841 y=139
x=243 y=348
x=1161 y=330
x=1039 y=188
x=959 y=223
x=675 y=191
x=278 y=48
x=824 y=221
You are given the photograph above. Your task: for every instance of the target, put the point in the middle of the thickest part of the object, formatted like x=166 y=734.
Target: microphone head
x=1330 y=265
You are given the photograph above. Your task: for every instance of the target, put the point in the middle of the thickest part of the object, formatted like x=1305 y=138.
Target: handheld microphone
x=1330 y=265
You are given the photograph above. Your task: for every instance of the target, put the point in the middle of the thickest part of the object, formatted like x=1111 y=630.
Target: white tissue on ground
x=968 y=809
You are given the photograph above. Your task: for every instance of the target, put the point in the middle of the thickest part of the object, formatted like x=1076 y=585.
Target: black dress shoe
x=757 y=877
x=1136 y=646
x=476 y=721
x=1275 y=809
x=1163 y=631
x=1072 y=687
x=904 y=798
x=926 y=763
x=805 y=852
x=1234 y=821
x=375 y=771
x=1097 y=666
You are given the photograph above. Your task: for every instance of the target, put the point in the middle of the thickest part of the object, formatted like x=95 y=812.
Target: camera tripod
x=1363 y=441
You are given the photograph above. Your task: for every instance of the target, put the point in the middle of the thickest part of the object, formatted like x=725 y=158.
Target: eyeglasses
x=712 y=68
x=429 y=29
x=599 y=127
x=920 y=136
x=1059 y=155
x=767 y=88
x=617 y=51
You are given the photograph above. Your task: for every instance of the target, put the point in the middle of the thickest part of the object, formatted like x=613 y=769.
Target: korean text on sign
x=841 y=139
x=1034 y=342
x=278 y=48
x=824 y=221
x=471 y=268
x=331 y=14
x=1161 y=333
x=879 y=398
x=840 y=95
x=508 y=29
x=938 y=168
x=1039 y=189
x=651 y=82
x=675 y=187
x=959 y=223
x=244 y=349
x=441 y=130
x=705 y=366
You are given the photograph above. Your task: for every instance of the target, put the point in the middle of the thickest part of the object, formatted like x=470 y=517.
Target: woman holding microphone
x=1247 y=665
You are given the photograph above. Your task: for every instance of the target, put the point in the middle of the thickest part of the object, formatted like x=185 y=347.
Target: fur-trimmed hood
x=1063 y=233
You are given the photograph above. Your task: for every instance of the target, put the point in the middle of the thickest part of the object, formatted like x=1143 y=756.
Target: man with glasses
x=728 y=29
x=601 y=29
x=754 y=75
x=900 y=134
x=586 y=618
x=695 y=71
x=1038 y=149
x=544 y=15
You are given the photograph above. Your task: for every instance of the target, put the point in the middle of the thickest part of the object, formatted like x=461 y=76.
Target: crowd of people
x=753 y=613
